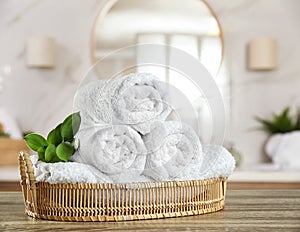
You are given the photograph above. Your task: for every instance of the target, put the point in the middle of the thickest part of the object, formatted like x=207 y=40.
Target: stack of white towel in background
x=124 y=135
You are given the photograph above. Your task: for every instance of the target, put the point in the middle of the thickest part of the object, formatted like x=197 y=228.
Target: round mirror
x=189 y=25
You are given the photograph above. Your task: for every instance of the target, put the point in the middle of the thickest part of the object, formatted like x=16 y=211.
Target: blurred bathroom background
x=248 y=46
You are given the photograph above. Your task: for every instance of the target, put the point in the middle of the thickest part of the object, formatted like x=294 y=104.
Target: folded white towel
x=136 y=100
x=70 y=172
x=113 y=150
x=172 y=146
x=283 y=149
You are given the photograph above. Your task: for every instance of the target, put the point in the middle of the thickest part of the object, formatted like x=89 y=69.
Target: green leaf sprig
x=280 y=123
x=60 y=143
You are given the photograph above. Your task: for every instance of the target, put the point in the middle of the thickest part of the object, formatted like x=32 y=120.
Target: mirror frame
x=110 y=3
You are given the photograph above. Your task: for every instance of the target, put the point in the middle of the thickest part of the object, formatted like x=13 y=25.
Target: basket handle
x=26 y=169
x=28 y=182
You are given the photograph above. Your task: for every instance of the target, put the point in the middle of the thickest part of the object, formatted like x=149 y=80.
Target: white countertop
x=9 y=173
x=264 y=176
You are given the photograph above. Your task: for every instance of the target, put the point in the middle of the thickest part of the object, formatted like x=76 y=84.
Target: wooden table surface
x=263 y=210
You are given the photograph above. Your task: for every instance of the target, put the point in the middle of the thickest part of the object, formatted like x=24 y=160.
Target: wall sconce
x=41 y=51
x=262 y=54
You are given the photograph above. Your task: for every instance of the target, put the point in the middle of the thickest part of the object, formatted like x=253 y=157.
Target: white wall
x=259 y=93
x=37 y=98
x=41 y=98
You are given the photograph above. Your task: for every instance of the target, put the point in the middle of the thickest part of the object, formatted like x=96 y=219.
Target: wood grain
x=9 y=150
x=244 y=211
x=11 y=186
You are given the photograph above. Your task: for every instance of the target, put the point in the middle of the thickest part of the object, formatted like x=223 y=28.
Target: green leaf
x=64 y=151
x=70 y=126
x=297 y=124
x=50 y=153
x=41 y=153
x=267 y=125
x=55 y=159
x=280 y=123
x=35 y=141
x=283 y=121
x=54 y=137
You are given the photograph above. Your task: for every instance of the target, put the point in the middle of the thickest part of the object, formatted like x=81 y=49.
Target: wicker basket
x=118 y=202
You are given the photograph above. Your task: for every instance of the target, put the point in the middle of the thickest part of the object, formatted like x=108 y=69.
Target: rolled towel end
x=112 y=150
x=171 y=146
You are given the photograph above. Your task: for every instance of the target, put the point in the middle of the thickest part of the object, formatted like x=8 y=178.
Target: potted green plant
x=2 y=132
x=283 y=144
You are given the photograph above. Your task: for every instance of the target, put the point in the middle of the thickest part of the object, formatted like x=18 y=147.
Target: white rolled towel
x=114 y=150
x=171 y=146
x=136 y=100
